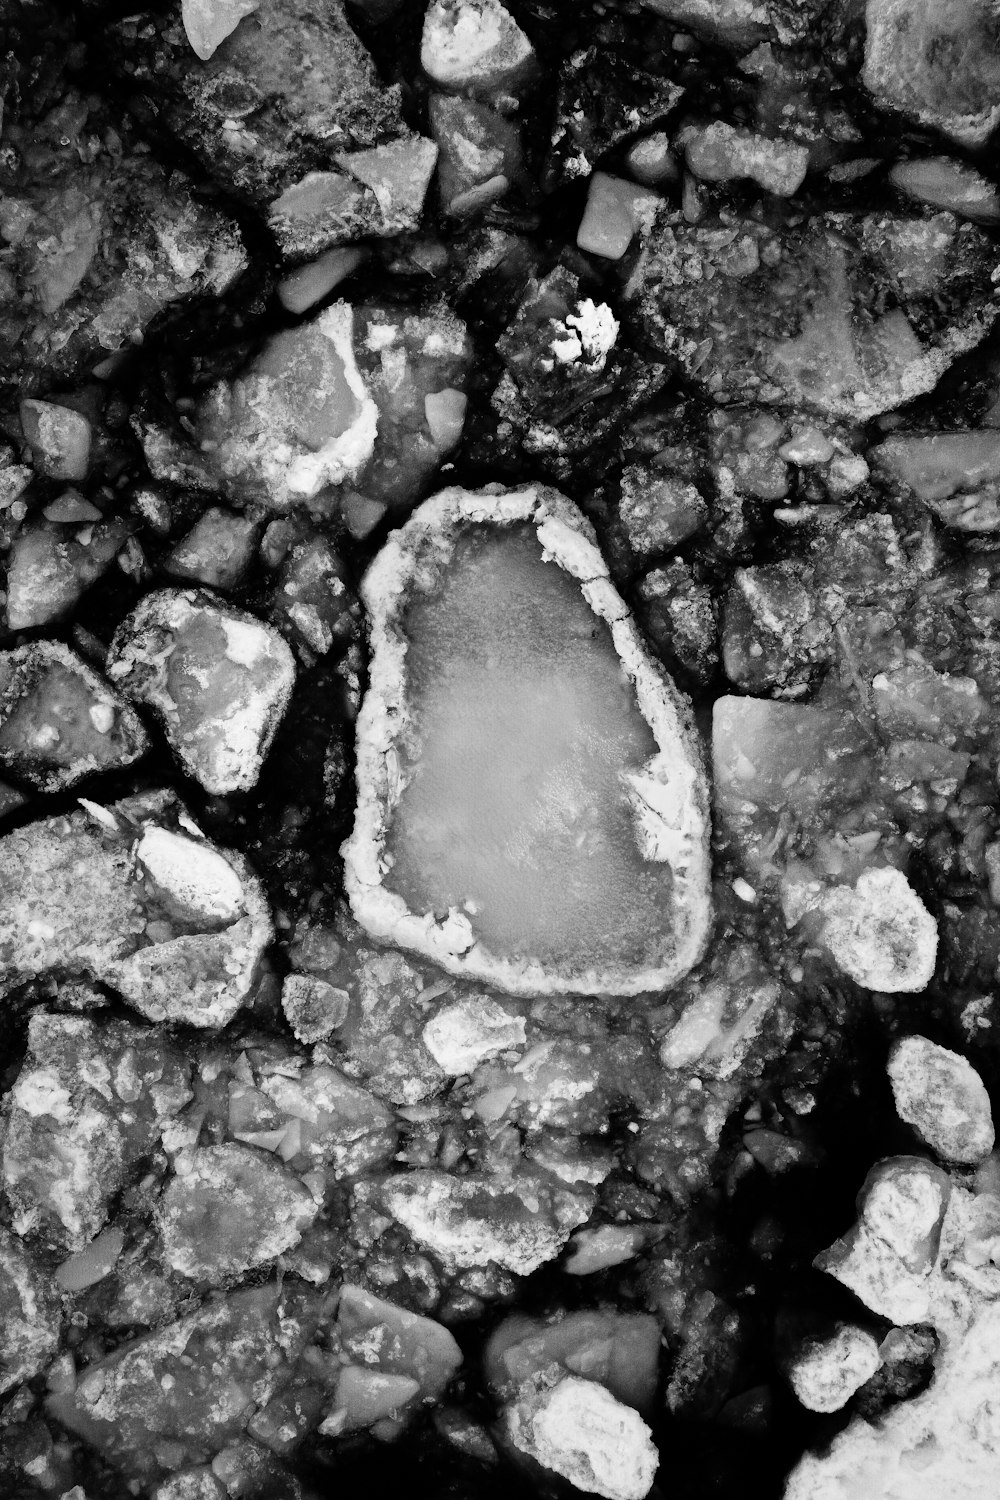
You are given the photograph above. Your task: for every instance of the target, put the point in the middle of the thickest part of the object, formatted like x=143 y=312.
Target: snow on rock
x=219 y=680
x=579 y=1431
x=827 y=1372
x=942 y=1096
x=518 y=1221
x=879 y=933
x=720 y=153
x=172 y=936
x=938 y=62
x=594 y=878
x=462 y=1034
x=474 y=46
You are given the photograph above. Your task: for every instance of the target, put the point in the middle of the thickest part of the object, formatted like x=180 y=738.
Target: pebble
x=942 y=1096
x=827 y=1372
x=579 y=1431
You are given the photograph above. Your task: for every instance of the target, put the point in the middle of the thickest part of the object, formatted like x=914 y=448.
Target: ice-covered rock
x=462 y=1034
x=722 y=153
x=518 y=1220
x=52 y=564
x=740 y=24
x=593 y=878
x=474 y=46
x=180 y=938
x=658 y=510
x=956 y=474
x=942 y=182
x=379 y=1335
x=86 y=1108
x=879 y=933
x=621 y=1351
x=826 y=1373
x=217 y=551
x=59 y=438
x=938 y=62
x=577 y=1429
x=218 y=679
x=30 y=1315
x=942 y=1096
x=60 y=721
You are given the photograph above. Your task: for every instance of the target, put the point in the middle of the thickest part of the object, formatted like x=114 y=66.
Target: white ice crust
x=669 y=796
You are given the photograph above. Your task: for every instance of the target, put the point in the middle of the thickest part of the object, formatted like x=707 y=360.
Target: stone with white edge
x=461 y=1035
x=942 y=1096
x=827 y=1372
x=611 y=851
x=474 y=46
x=578 y=1430
x=219 y=680
x=208 y=22
x=937 y=62
x=30 y=1321
x=193 y=876
x=879 y=933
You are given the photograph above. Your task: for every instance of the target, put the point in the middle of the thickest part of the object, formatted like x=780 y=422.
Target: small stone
x=880 y=933
x=942 y=182
x=616 y=211
x=658 y=510
x=313 y=1008
x=579 y=1431
x=474 y=46
x=364 y=1397
x=303 y=288
x=93 y=1263
x=936 y=63
x=720 y=153
x=593 y=1250
x=461 y=1035
x=651 y=161
x=29 y=1314
x=826 y=1373
x=219 y=680
x=59 y=437
x=209 y=22
x=942 y=1096
x=217 y=551
x=397 y=1342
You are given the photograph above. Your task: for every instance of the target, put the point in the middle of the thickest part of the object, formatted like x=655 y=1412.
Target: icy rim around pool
x=670 y=797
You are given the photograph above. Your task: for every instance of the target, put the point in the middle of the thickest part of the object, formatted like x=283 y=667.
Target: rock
x=382 y=1036
x=462 y=1034
x=313 y=597
x=380 y=1335
x=616 y=211
x=740 y=24
x=30 y=1316
x=364 y=1397
x=679 y=616
x=956 y=474
x=217 y=551
x=942 y=182
x=228 y=1209
x=218 y=679
x=605 y=95
x=621 y=1351
x=477 y=147
x=937 y=65
x=182 y=1393
x=658 y=510
x=658 y=838
x=651 y=160
x=775 y=638
x=58 y=437
x=304 y=287
x=827 y=1372
x=579 y=1431
x=60 y=721
x=475 y=47
x=313 y=1008
x=879 y=933
x=300 y=419
x=518 y=1223
x=51 y=565
x=86 y=1109
x=209 y=22
x=721 y=153
x=942 y=1096
x=593 y=1250
x=93 y=1263
x=179 y=939
x=790 y=311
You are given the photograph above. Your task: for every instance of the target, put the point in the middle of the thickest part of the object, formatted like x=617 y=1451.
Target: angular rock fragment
x=593 y=878
x=741 y=24
x=134 y=897
x=880 y=933
x=616 y=211
x=85 y=1110
x=377 y=1334
x=461 y=1035
x=58 y=437
x=209 y=22
x=578 y=1430
x=942 y=1096
x=956 y=474
x=219 y=680
x=849 y=315
x=827 y=1372
x=939 y=64
x=60 y=721
x=658 y=510
x=942 y=182
x=475 y=47
x=604 y=97
x=312 y=1007
x=721 y=153
x=217 y=551
x=52 y=564
x=181 y=1394
x=30 y=1315
x=619 y=1350
x=517 y=1222
x=480 y=153
x=228 y=1209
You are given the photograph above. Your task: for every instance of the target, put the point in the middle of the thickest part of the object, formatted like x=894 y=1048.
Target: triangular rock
x=532 y=807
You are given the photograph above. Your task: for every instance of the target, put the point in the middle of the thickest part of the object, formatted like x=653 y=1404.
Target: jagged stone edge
x=427 y=541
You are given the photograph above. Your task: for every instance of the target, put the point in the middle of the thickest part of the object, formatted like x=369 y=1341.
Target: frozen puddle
x=531 y=803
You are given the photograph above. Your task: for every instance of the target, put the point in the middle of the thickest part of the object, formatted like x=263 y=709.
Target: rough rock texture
x=942 y=1096
x=937 y=63
x=30 y=1316
x=579 y=1431
x=668 y=806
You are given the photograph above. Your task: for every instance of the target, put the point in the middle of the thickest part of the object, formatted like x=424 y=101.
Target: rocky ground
x=300 y=1200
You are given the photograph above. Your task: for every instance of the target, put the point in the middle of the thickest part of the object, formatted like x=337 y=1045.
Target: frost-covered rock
x=209 y=22
x=30 y=1315
x=312 y=1007
x=60 y=721
x=51 y=565
x=217 y=551
x=577 y=1429
x=721 y=153
x=942 y=1096
x=938 y=63
x=58 y=437
x=942 y=182
x=451 y=864
x=879 y=933
x=462 y=1034
x=86 y=1108
x=134 y=897
x=955 y=474
x=218 y=679
x=826 y=1373
x=518 y=1220
x=741 y=24
x=474 y=46
x=621 y=1351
